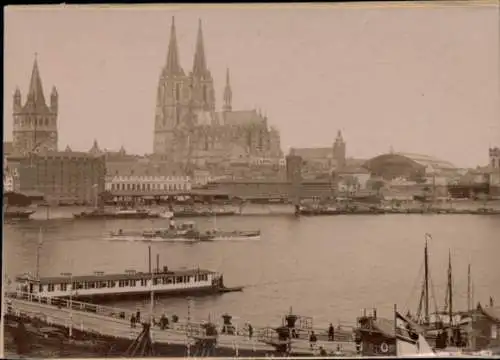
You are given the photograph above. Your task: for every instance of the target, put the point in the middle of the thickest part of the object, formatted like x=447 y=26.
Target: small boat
x=129 y=284
x=217 y=235
x=18 y=214
x=117 y=214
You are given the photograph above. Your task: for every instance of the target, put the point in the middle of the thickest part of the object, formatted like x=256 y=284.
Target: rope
x=414 y=285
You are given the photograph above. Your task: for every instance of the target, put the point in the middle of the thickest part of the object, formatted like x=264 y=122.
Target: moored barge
x=117 y=214
x=130 y=284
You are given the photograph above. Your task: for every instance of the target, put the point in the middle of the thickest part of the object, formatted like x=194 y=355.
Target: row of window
x=149 y=178
x=127 y=283
x=149 y=187
x=34 y=121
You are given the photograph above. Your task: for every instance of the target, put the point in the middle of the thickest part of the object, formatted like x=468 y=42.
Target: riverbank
x=249 y=209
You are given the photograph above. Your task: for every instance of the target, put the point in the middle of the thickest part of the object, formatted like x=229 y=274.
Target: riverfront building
x=62 y=177
x=187 y=127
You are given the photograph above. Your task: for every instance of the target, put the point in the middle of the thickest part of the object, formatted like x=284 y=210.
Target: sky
x=420 y=79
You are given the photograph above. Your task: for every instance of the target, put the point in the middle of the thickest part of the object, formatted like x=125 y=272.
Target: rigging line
x=414 y=285
x=434 y=298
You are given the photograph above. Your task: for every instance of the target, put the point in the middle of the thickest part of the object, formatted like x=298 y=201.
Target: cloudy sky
x=421 y=79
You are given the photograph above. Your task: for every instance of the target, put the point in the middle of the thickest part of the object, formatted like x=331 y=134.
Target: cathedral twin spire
x=199 y=63
x=200 y=69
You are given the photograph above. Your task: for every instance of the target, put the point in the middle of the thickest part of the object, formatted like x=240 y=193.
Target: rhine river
x=329 y=268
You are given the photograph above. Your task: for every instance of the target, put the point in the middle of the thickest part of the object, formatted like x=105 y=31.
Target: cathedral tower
x=35 y=123
x=203 y=94
x=228 y=94
x=173 y=97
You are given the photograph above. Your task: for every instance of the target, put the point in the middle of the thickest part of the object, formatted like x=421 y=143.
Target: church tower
x=228 y=94
x=203 y=94
x=339 y=153
x=173 y=97
x=35 y=123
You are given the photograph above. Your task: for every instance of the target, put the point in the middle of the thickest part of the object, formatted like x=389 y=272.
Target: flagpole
x=396 y=329
x=39 y=245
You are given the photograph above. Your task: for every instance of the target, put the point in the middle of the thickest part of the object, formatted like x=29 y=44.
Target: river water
x=329 y=268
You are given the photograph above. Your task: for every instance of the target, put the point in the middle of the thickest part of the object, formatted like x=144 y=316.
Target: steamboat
x=181 y=232
x=184 y=232
x=130 y=284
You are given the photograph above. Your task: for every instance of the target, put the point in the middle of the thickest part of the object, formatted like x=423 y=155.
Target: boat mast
x=468 y=290
x=426 y=266
x=450 y=290
x=152 y=295
x=39 y=245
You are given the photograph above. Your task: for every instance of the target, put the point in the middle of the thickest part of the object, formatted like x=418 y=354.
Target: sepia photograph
x=251 y=180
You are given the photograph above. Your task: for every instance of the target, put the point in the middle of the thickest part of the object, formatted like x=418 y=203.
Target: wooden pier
x=114 y=322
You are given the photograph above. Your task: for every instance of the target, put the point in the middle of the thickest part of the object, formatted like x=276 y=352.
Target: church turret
x=228 y=94
x=17 y=100
x=35 y=123
x=35 y=93
x=54 y=100
x=339 y=152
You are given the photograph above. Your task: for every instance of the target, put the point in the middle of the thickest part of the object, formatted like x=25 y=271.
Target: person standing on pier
x=138 y=316
x=331 y=333
x=313 y=339
x=250 y=331
x=132 y=321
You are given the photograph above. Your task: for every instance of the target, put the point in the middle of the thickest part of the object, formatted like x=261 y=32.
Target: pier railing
x=343 y=332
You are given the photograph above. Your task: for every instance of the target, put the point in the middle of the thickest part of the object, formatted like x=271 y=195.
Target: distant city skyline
x=417 y=79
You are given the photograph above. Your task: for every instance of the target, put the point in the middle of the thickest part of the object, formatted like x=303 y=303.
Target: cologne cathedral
x=188 y=127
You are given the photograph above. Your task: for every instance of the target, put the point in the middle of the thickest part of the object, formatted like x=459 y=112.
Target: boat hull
x=137 y=295
x=152 y=239
x=111 y=216
x=190 y=214
x=18 y=215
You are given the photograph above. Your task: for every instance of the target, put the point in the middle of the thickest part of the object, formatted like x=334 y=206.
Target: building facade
x=67 y=176
x=323 y=159
x=35 y=122
x=494 y=154
x=188 y=129
x=147 y=184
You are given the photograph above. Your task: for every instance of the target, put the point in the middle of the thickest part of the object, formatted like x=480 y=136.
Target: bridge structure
x=115 y=322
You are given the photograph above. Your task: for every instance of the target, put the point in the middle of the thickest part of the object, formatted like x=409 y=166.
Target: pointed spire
x=339 y=136
x=173 y=64
x=228 y=94
x=35 y=93
x=200 y=62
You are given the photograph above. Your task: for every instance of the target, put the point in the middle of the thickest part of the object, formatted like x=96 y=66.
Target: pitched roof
x=428 y=160
x=127 y=168
x=35 y=99
x=308 y=153
x=242 y=118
